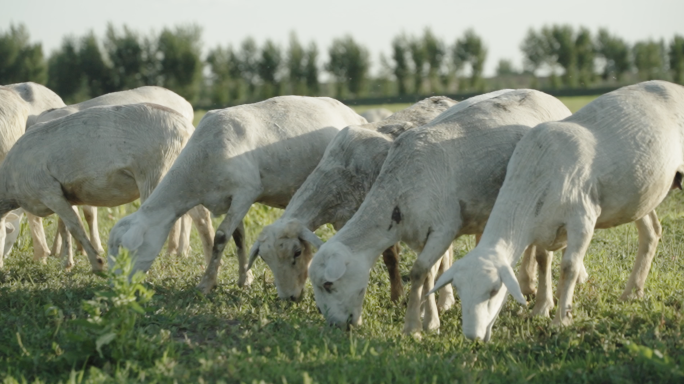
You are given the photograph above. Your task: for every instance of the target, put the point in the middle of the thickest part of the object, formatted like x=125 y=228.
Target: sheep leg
x=202 y=218
x=174 y=237
x=40 y=248
x=579 y=237
x=184 y=236
x=245 y=276
x=544 y=302
x=66 y=252
x=3 y=236
x=391 y=258
x=237 y=211
x=57 y=244
x=90 y=214
x=526 y=275
x=435 y=247
x=446 y=294
x=650 y=232
x=58 y=204
x=431 y=314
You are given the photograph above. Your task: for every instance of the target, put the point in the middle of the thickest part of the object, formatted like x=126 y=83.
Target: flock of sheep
x=513 y=167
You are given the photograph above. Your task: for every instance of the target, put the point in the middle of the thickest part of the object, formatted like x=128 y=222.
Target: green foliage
x=649 y=59
x=180 y=63
x=127 y=55
x=20 y=61
x=311 y=69
x=535 y=48
x=418 y=56
x=64 y=77
x=470 y=50
x=435 y=52
x=585 y=55
x=296 y=66
x=268 y=68
x=505 y=68
x=677 y=59
x=109 y=331
x=99 y=77
x=400 y=50
x=615 y=52
x=349 y=63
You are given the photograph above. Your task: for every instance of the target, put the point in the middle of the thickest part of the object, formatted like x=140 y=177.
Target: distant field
x=573 y=103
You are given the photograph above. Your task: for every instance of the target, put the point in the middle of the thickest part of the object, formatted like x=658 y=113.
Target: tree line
x=554 y=56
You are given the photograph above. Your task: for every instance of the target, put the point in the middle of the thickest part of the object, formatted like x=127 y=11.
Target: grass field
x=247 y=335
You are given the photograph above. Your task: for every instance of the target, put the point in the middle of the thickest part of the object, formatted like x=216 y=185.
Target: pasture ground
x=247 y=335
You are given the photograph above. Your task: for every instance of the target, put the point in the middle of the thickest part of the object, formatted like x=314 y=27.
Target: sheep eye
x=493 y=293
x=327 y=286
x=297 y=253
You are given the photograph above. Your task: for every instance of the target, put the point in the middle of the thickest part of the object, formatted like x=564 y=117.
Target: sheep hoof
x=205 y=286
x=245 y=280
x=559 y=323
x=396 y=294
x=446 y=304
x=629 y=296
x=542 y=310
x=412 y=330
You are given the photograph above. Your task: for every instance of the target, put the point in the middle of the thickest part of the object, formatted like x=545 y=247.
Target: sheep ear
x=132 y=240
x=310 y=237
x=335 y=268
x=9 y=228
x=511 y=283
x=253 y=254
x=446 y=278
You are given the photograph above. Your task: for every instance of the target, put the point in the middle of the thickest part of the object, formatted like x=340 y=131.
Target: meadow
x=76 y=327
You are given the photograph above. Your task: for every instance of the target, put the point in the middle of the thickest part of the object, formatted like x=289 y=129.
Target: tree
x=64 y=76
x=221 y=75
x=470 y=50
x=536 y=51
x=648 y=59
x=401 y=68
x=268 y=68
x=677 y=59
x=505 y=68
x=20 y=61
x=127 y=56
x=348 y=63
x=584 y=56
x=296 y=66
x=247 y=64
x=311 y=69
x=563 y=52
x=615 y=52
x=419 y=59
x=181 y=66
x=97 y=74
x=435 y=51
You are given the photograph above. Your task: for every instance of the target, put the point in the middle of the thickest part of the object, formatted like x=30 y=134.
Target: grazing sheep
x=179 y=240
x=13 y=114
x=105 y=156
x=376 y=114
x=251 y=153
x=439 y=182
x=332 y=193
x=39 y=99
x=610 y=163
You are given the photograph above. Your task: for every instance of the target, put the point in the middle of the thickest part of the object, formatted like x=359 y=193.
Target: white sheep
x=39 y=99
x=179 y=240
x=251 y=153
x=376 y=114
x=104 y=156
x=610 y=163
x=439 y=182
x=332 y=193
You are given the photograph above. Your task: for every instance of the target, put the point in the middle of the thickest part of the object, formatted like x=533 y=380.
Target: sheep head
x=286 y=249
x=482 y=285
x=144 y=241
x=339 y=284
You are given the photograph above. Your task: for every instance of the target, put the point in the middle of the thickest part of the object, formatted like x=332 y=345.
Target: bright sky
x=501 y=23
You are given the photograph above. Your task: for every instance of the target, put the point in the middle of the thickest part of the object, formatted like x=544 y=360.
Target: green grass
x=247 y=335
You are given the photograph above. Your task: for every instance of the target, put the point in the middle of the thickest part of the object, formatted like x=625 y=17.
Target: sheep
x=39 y=99
x=146 y=94
x=258 y=152
x=376 y=114
x=13 y=114
x=610 y=163
x=332 y=193
x=438 y=182
x=103 y=156
x=179 y=240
